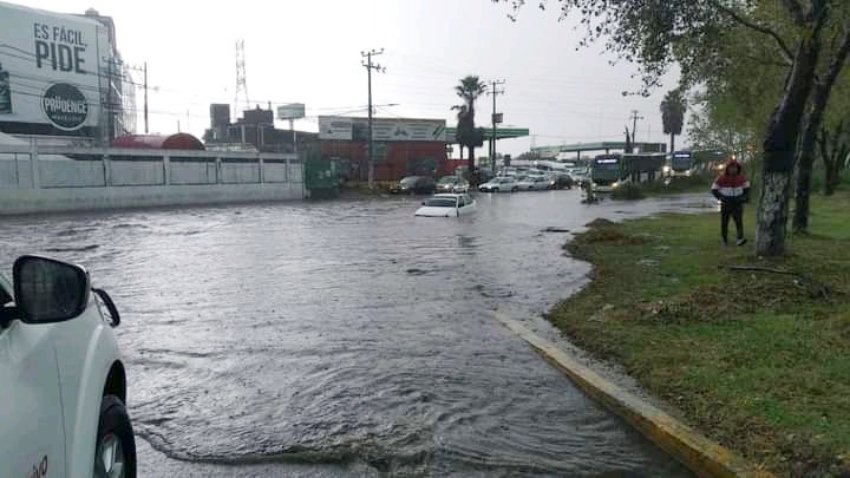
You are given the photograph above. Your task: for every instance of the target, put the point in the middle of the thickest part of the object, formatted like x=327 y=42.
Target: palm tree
x=462 y=130
x=673 y=109
x=469 y=89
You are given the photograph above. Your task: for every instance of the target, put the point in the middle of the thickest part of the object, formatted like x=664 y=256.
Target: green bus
x=606 y=170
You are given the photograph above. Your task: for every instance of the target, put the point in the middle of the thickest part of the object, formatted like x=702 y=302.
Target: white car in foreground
x=447 y=205
x=62 y=383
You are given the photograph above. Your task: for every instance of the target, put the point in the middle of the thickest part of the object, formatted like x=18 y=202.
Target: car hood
x=430 y=211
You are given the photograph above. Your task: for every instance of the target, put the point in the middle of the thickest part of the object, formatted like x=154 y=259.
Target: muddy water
x=347 y=338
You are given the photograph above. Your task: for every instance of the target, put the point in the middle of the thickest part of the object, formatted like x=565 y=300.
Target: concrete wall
x=48 y=180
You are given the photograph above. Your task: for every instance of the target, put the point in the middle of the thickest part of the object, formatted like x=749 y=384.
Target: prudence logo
x=65 y=106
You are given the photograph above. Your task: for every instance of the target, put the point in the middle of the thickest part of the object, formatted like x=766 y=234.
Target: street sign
x=497 y=118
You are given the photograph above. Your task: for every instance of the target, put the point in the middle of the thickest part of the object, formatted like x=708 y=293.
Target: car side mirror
x=47 y=290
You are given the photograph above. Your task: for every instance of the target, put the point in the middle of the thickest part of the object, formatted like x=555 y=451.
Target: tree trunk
x=830 y=178
x=807 y=159
x=772 y=215
x=804 y=186
x=672 y=144
x=822 y=90
x=780 y=146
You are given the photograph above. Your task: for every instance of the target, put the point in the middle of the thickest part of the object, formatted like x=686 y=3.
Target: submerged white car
x=447 y=205
x=62 y=382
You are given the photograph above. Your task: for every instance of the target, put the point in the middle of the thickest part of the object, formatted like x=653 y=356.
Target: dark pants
x=736 y=211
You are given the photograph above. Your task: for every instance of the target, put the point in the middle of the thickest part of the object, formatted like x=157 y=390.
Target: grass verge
x=757 y=360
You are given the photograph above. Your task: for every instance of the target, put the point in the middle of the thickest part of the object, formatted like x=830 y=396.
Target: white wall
x=130 y=178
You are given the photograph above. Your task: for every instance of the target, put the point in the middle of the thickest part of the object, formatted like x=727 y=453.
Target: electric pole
x=241 y=78
x=634 y=119
x=146 y=97
x=496 y=119
x=367 y=63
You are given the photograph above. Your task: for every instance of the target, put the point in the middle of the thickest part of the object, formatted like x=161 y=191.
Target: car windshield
x=506 y=180
x=441 y=202
x=450 y=180
x=520 y=179
x=409 y=181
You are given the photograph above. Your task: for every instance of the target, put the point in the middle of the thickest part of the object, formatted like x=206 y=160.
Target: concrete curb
x=702 y=456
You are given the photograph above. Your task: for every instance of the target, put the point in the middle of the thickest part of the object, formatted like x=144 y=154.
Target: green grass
x=758 y=361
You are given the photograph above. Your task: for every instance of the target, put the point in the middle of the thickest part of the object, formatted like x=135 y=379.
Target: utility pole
x=367 y=63
x=146 y=97
x=241 y=78
x=634 y=119
x=496 y=119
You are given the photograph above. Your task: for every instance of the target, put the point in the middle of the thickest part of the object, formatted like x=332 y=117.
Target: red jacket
x=732 y=188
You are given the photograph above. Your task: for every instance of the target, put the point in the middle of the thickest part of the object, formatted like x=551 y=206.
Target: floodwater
x=347 y=338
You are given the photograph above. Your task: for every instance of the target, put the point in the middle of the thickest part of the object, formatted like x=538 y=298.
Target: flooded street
x=347 y=338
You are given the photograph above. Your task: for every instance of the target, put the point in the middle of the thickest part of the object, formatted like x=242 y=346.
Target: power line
x=369 y=67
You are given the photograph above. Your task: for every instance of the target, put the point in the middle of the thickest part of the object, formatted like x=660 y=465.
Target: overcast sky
x=308 y=51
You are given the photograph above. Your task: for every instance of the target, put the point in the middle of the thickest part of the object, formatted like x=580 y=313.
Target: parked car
x=452 y=184
x=499 y=185
x=535 y=173
x=414 y=185
x=560 y=180
x=63 y=392
x=533 y=183
x=447 y=205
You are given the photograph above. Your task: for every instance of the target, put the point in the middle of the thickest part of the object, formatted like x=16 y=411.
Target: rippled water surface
x=347 y=338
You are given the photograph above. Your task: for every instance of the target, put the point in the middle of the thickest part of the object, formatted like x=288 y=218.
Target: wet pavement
x=348 y=338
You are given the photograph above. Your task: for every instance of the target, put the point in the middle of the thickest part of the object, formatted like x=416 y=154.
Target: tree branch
x=766 y=62
x=761 y=269
x=783 y=48
x=837 y=63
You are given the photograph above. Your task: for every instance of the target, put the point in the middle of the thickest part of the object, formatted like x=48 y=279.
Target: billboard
x=50 y=68
x=383 y=129
x=291 y=111
x=332 y=127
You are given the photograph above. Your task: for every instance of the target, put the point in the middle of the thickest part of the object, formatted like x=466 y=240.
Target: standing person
x=732 y=189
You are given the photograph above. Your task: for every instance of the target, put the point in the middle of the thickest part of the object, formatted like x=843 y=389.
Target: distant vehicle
x=680 y=163
x=414 y=185
x=534 y=183
x=535 y=172
x=548 y=165
x=63 y=392
x=501 y=184
x=452 y=184
x=447 y=205
x=508 y=172
x=606 y=172
x=579 y=176
x=560 y=180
